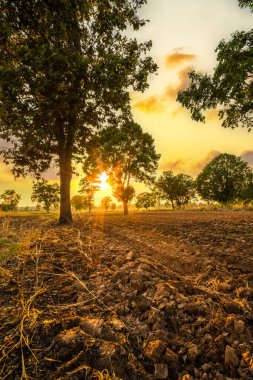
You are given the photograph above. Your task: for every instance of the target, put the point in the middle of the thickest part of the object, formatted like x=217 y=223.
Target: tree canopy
x=46 y=194
x=177 y=189
x=79 y=202
x=223 y=179
x=66 y=70
x=230 y=88
x=106 y=202
x=146 y=200
x=125 y=154
x=10 y=200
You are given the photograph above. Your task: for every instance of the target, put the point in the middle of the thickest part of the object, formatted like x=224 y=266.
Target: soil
x=155 y=295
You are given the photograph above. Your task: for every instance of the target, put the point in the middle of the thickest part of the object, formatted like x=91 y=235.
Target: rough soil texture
x=149 y=296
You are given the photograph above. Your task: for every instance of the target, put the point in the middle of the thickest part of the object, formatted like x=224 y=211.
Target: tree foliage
x=246 y=3
x=10 y=200
x=106 y=202
x=177 y=189
x=125 y=154
x=146 y=200
x=66 y=70
x=230 y=88
x=78 y=202
x=247 y=189
x=88 y=188
x=223 y=179
x=46 y=194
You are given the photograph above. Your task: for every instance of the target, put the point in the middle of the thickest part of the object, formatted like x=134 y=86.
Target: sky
x=185 y=34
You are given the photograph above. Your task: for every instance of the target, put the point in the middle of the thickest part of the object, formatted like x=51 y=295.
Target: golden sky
x=185 y=34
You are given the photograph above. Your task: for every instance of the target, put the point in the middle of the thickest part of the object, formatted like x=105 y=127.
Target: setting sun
x=103 y=181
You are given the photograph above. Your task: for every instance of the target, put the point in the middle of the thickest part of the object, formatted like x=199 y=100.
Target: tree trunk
x=65 y=179
x=125 y=204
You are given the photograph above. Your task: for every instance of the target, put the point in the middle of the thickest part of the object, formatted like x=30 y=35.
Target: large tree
x=177 y=189
x=66 y=70
x=224 y=179
x=145 y=200
x=125 y=154
x=46 y=194
x=230 y=87
x=10 y=200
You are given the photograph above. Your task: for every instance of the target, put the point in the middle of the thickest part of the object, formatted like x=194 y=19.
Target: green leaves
x=229 y=88
x=10 y=200
x=46 y=194
x=177 y=189
x=223 y=179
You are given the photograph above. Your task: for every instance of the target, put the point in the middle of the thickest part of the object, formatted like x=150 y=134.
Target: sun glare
x=103 y=181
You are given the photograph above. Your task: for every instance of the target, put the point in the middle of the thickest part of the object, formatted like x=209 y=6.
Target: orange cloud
x=188 y=167
x=183 y=83
x=198 y=166
x=157 y=103
x=150 y=104
x=178 y=57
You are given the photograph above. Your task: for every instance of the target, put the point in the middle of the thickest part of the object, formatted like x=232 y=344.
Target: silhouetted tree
x=113 y=206
x=78 y=201
x=46 y=194
x=106 y=202
x=89 y=189
x=125 y=154
x=145 y=200
x=66 y=70
x=177 y=189
x=246 y=194
x=10 y=200
x=223 y=179
x=230 y=88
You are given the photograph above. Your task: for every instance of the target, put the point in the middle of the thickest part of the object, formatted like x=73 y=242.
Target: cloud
x=188 y=166
x=178 y=57
x=199 y=165
x=178 y=165
x=157 y=103
x=151 y=104
x=247 y=156
x=182 y=83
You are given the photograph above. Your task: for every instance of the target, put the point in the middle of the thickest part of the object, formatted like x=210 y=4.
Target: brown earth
x=156 y=295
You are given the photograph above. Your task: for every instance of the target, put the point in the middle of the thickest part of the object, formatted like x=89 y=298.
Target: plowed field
x=156 y=295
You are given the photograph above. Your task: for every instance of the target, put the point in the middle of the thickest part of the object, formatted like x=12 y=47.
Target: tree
x=246 y=194
x=113 y=206
x=78 y=201
x=125 y=154
x=124 y=195
x=46 y=194
x=177 y=189
x=230 y=88
x=66 y=70
x=146 y=200
x=223 y=179
x=106 y=203
x=10 y=200
x=89 y=189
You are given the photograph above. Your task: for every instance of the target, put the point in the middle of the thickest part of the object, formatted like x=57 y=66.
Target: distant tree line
x=226 y=180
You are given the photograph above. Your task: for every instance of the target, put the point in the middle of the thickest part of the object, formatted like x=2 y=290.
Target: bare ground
x=162 y=295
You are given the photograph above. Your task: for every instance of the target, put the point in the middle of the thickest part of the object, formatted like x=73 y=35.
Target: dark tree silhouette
x=230 y=88
x=66 y=70
x=10 y=200
x=46 y=194
x=223 y=179
x=125 y=154
x=177 y=189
